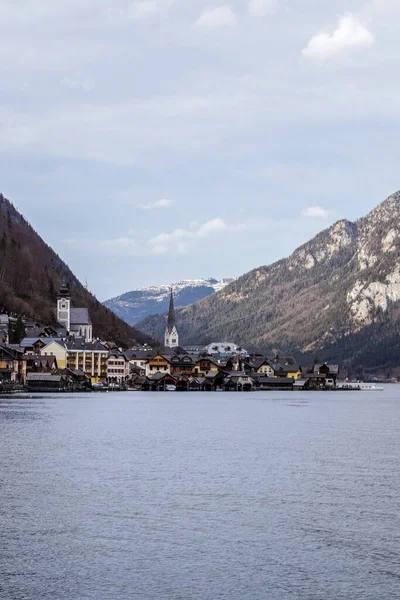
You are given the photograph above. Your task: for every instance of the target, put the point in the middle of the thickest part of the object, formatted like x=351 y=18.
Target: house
x=12 y=365
x=182 y=364
x=331 y=372
x=159 y=363
x=57 y=348
x=321 y=376
x=205 y=364
x=138 y=357
x=89 y=357
x=263 y=367
x=118 y=367
x=285 y=367
x=36 y=363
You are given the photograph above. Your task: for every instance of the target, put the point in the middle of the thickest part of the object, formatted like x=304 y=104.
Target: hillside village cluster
x=66 y=357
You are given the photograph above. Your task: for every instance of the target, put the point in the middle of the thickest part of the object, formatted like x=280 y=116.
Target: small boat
x=170 y=387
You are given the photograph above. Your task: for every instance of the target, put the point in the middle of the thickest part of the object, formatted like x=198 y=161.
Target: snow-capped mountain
x=138 y=304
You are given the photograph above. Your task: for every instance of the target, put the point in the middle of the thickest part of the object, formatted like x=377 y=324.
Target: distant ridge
x=31 y=273
x=138 y=304
x=337 y=296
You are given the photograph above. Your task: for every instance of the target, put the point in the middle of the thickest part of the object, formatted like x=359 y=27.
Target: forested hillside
x=31 y=273
x=337 y=295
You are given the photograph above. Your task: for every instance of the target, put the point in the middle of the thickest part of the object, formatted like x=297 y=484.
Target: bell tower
x=171 y=339
x=64 y=307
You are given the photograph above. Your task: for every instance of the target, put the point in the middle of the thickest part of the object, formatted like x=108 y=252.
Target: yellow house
x=265 y=369
x=285 y=367
x=57 y=349
x=158 y=364
x=206 y=365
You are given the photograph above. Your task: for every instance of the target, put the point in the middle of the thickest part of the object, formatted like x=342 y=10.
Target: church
x=75 y=320
x=171 y=338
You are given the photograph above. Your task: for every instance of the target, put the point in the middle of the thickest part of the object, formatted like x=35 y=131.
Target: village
x=65 y=357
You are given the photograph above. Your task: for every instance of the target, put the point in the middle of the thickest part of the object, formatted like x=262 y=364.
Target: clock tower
x=64 y=307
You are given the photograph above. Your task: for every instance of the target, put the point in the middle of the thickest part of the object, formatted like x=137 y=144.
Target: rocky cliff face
x=327 y=295
x=138 y=304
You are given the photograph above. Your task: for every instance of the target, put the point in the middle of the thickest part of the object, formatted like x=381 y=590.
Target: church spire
x=171 y=339
x=171 y=314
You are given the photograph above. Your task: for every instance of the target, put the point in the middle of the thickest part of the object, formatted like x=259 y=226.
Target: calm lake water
x=201 y=496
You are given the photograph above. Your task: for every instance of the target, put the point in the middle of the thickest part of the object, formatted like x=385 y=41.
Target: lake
x=200 y=496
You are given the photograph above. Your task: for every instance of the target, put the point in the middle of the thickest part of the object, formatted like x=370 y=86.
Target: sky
x=159 y=140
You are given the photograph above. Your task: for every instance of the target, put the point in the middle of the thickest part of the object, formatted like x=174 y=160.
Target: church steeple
x=171 y=332
x=171 y=314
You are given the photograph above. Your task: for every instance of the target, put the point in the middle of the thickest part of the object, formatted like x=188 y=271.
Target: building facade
x=88 y=357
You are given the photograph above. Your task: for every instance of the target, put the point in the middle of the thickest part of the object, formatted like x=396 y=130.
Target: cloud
x=178 y=239
x=142 y=9
x=315 y=212
x=261 y=8
x=163 y=203
x=349 y=34
x=148 y=8
x=220 y=16
x=111 y=247
x=74 y=84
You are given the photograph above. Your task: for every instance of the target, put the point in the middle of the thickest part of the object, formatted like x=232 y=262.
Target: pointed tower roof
x=64 y=290
x=171 y=314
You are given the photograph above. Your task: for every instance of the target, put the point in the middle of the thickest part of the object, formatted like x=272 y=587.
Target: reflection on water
x=200 y=496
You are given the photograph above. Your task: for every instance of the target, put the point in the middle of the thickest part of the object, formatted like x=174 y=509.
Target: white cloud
x=142 y=9
x=177 y=239
x=315 y=212
x=74 y=84
x=111 y=247
x=349 y=34
x=148 y=8
x=261 y=8
x=163 y=203
x=219 y=16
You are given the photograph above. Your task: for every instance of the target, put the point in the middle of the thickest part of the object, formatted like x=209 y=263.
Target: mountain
x=31 y=273
x=138 y=304
x=337 y=296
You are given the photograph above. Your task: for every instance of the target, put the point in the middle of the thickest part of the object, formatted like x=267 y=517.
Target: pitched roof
x=171 y=313
x=80 y=316
x=79 y=345
x=43 y=377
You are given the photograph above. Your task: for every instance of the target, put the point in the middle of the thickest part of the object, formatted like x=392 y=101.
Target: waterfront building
x=12 y=365
x=89 y=357
x=171 y=338
x=159 y=363
x=118 y=367
x=139 y=356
